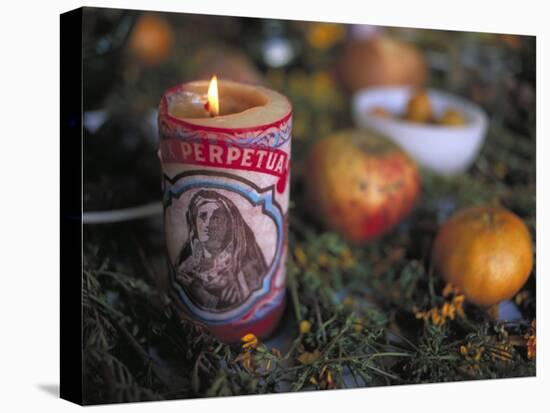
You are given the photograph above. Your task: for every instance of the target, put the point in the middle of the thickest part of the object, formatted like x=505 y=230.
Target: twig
x=320 y=320
x=167 y=379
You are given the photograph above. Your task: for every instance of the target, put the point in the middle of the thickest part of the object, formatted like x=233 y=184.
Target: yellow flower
x=305 y=327
x=347 y=258
x=531 y=340
x=246 y=360
x=329 y=378
x=300 y=255
x=472 y=352
x=445 y=310
x=309 y=358
x=502 y=352
x=325 y=376
x=348 y=301
x=450 y=289
x=521 y=297
x=436 y=317
x=325 y=35
x=322 y=86
x=358 y=325
x=449 y=310
x=531 y=347
x=500 y=169
x=457 y=302
x=346 y=252
x=322 y=259
x=421 y=315
x=478 y=352
x=250 y=341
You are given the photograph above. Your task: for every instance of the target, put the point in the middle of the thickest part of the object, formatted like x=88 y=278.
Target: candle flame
x=213 y=101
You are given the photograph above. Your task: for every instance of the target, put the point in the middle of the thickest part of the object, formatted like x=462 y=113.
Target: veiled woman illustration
x=220 y=263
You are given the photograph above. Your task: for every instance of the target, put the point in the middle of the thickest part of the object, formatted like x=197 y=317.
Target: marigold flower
x=450 y=289
x=531 y=347
x=246 y=360
x=305 y=327
x=358 y=325
x=329 y=377
x=348 y=301
x=472 y=352
x=457 y=302
x=500 y=169
x=452 y=312
x=424 y=315
x=250 y=341
x=531 y=338
x=436 y=317
x=445 y=310
x=308 y=358
x=300 y=255
x=325 y=376
x=325 y=35
x=501 y=351
x=346 y=258
x=322 y=259
x=478 y=352
x=449 y=310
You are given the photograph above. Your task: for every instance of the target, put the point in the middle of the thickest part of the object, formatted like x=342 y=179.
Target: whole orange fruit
x=380 y=61
x=452 y=117
x=486 y=252
x=151 y=39
x=360 y=184
x=419 y=107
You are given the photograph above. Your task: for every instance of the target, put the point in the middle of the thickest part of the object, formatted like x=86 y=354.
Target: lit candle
x=225 y=154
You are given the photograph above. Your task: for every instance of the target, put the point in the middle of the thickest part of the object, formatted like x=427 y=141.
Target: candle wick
x=207 y=109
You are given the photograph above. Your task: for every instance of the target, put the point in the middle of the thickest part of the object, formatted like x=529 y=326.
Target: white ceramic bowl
x=444 y=149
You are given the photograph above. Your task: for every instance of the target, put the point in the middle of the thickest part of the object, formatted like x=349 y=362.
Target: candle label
x=221 y=269
x=225 y=202
x=209 y=151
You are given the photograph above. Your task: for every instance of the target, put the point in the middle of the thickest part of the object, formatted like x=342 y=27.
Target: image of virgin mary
x=220 y=263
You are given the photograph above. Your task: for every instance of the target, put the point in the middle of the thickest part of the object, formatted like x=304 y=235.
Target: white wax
x=241 y=105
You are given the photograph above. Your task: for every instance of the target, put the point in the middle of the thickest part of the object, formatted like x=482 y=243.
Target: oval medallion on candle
x=220 y=267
